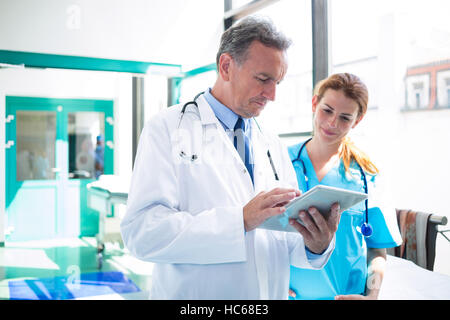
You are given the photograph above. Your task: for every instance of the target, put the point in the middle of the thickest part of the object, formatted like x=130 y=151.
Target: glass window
x=36 y=140
x=401 y=50
x=443 y=87
x=405 y=40
x=291 y=110
x=86 y=144
x=448 y=97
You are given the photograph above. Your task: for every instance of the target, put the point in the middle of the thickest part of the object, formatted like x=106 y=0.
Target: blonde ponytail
x=349 y=152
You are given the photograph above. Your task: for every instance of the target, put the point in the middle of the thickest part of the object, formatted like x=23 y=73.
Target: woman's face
x=334 y=116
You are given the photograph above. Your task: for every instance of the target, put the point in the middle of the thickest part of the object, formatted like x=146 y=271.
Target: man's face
x=254 y=82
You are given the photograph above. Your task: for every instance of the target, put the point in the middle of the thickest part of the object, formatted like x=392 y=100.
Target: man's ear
x=225 y=62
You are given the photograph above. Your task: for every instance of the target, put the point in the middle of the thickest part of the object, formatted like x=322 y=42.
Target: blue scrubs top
x=346 y=270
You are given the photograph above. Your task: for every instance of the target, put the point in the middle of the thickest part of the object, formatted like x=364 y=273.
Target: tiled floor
x=71 y=260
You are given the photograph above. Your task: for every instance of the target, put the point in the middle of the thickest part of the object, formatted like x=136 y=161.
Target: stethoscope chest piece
x=192 y=158
x=366 y=229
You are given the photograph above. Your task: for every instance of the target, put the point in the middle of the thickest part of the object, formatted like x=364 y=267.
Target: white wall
x=144 y=30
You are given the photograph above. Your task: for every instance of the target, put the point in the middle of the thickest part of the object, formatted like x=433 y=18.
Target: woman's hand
x=355 y=297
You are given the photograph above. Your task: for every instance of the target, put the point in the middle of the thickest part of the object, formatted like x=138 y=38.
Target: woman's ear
x=225 y=62
x=315 y=102
x=357 y=121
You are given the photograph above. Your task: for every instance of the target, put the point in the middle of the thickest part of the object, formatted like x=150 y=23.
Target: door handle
x=9 y=118
x=9 y=144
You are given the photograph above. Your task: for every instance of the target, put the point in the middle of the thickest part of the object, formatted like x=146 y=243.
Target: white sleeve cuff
x=318 y=261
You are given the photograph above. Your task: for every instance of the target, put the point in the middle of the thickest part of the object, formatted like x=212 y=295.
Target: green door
x=55 y=148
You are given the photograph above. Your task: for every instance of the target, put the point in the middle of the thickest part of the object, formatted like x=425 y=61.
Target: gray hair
x=237 y=39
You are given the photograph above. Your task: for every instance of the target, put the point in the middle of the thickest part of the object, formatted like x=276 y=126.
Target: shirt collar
x=225 y=115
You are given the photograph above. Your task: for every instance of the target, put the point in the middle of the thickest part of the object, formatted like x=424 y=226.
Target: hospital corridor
x=195 y=150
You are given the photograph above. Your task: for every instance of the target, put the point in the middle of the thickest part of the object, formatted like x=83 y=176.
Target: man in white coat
x=196 y=200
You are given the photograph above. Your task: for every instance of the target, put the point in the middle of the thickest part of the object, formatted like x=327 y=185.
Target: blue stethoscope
x=366 y=228
x=194 y=156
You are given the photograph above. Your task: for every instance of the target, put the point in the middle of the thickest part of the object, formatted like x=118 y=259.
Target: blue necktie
x=242 y=145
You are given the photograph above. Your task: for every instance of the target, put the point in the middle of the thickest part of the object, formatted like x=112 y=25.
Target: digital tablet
x=322 y=197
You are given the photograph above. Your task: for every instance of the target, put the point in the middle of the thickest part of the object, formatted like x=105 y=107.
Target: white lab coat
x=187 y=217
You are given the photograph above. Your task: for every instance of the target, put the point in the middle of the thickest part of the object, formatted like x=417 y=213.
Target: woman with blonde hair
x=355 y=269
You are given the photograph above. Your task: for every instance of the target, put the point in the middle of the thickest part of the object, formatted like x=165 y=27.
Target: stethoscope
x=193 y=157
x=366 y=228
